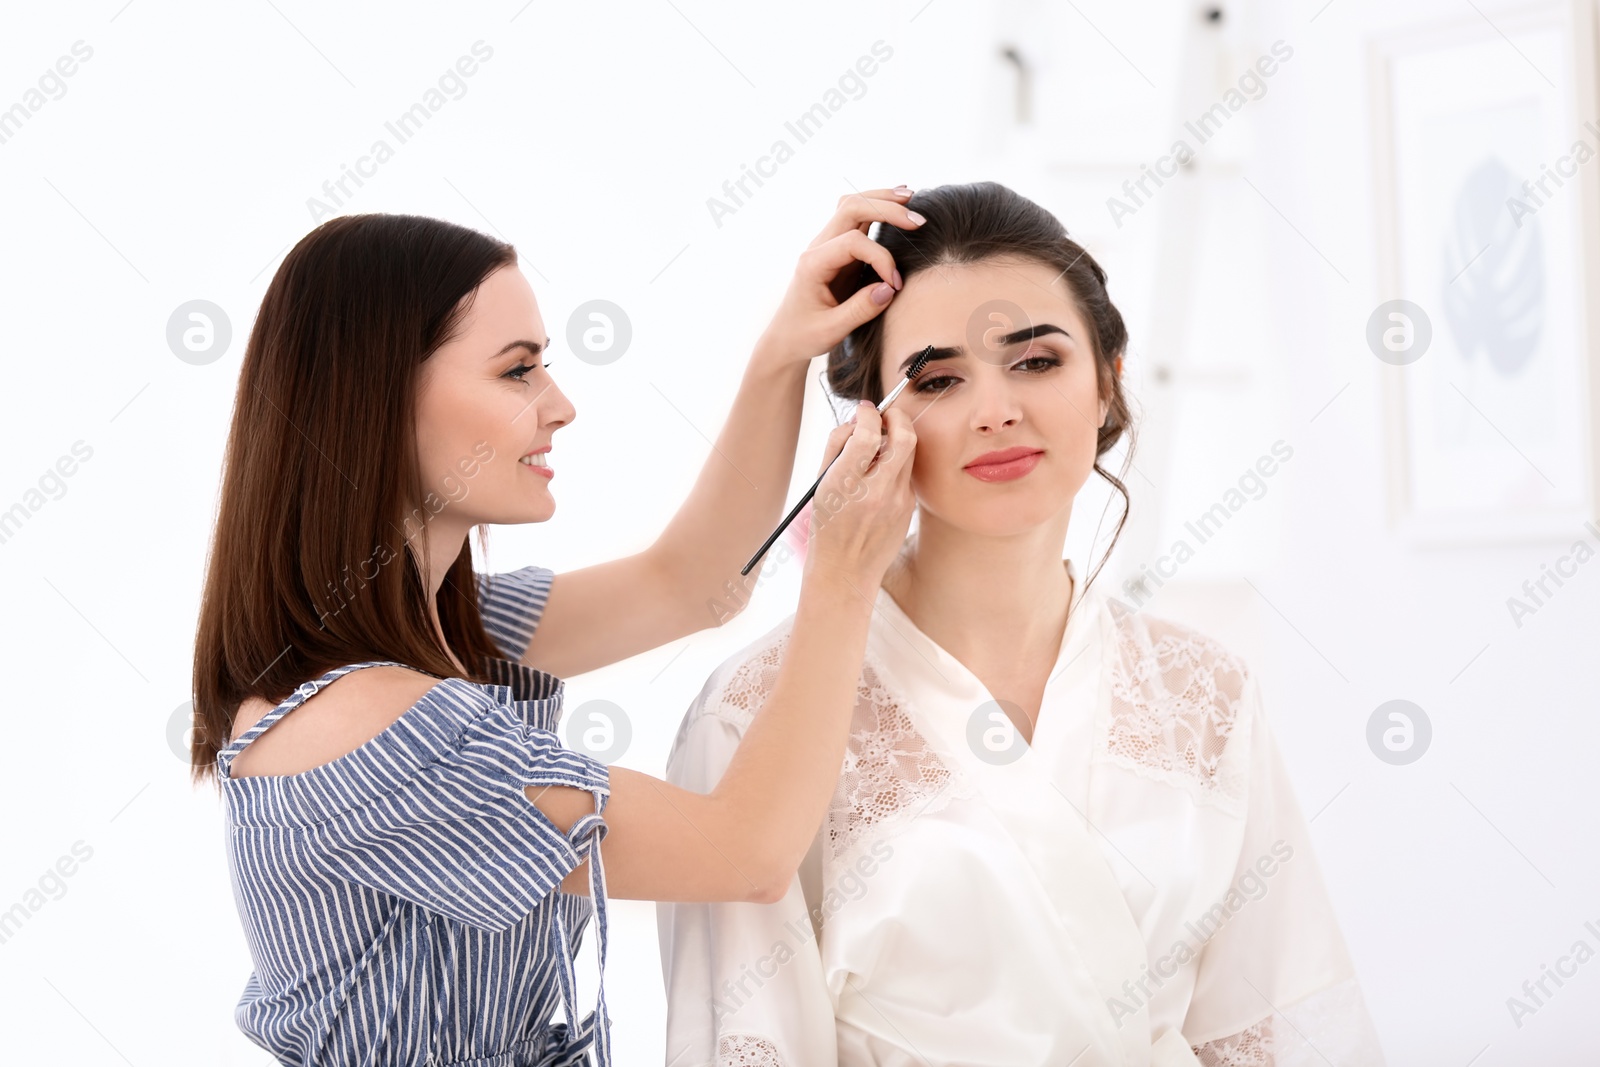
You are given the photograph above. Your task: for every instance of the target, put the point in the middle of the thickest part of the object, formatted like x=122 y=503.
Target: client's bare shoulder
x=338 y=719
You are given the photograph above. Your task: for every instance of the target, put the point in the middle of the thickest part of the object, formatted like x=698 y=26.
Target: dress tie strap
x=595 y=1030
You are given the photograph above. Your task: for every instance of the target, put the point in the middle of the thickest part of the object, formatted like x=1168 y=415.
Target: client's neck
x=982 y=598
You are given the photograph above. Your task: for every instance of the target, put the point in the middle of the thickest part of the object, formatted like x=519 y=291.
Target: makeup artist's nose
x=557 y=408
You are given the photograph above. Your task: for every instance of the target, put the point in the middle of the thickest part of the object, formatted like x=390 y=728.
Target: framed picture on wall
x=1486 y=151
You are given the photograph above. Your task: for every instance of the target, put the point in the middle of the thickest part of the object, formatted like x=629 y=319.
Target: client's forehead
x=962 y=308
x=953 y=293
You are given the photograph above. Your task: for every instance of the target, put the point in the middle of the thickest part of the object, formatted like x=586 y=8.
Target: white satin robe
x=1138 y=887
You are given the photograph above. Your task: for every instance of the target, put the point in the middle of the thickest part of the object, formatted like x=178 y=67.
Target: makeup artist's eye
x=516 y=373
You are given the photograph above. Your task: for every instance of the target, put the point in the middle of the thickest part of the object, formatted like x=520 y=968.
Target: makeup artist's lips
x=541 y=470
x=1004 y=465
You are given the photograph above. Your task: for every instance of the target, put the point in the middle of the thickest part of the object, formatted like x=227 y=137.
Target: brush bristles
x=920 y=362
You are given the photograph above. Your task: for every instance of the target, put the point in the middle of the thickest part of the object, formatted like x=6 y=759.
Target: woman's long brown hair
x=310 y=567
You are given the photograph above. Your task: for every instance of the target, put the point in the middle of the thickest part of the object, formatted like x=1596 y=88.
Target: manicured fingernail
x=882 y=292
x=903 y=190
x=916 y=218
x=898 y=284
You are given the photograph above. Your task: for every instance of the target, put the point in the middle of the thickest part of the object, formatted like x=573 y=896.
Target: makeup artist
x=414 y=854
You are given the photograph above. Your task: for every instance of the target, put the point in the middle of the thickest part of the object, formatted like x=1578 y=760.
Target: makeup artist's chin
x=532 y=499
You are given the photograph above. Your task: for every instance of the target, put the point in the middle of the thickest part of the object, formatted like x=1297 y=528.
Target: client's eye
x=925 y=384
x=938 y=383
x=1040 y=363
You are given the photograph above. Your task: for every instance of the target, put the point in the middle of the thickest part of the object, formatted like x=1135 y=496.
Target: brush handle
x=787 y=519
x=803 y=501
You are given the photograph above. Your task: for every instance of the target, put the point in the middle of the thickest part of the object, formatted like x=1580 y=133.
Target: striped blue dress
x=401 y=903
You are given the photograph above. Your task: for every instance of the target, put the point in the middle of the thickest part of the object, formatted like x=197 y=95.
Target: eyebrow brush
x=912 y=371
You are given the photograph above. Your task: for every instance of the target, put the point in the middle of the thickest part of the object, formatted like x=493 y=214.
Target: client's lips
x=1004 y=465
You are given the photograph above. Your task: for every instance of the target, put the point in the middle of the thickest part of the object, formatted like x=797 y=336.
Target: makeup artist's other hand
x=812 y=317
x=862 y=509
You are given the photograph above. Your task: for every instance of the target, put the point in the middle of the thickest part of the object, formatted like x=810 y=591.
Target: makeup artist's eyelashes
x=926 y=383
x=516 y=373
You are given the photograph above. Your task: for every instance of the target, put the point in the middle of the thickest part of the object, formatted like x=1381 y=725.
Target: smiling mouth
x=539 y=462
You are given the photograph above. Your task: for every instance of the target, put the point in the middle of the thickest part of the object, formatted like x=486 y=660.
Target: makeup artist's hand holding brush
x=862 y=507
x=812 y=318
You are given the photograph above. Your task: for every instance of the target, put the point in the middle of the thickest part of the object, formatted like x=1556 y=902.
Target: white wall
x=1462 y=875
x=178 y=164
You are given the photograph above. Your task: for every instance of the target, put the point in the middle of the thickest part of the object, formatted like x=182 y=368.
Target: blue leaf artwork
x=1494 y=284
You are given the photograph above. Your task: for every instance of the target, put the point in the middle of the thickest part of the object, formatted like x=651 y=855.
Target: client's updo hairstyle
x=985 y=220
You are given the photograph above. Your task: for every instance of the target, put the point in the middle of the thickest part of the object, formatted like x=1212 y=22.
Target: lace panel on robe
x=740 y=696
x=1175 y=701
x=1330 y=1028
x=890 y=774
x=743 y=1050
x=1250 y=1047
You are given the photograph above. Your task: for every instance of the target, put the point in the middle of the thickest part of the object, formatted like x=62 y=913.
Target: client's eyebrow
x=533 y=347
x=936 y=353
x=1027 y=333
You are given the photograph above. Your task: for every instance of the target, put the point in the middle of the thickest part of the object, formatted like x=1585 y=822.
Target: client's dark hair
x=985 y=220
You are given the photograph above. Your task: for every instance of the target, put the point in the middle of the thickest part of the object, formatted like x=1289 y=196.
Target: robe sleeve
x=1275 y=986
x=744 y=981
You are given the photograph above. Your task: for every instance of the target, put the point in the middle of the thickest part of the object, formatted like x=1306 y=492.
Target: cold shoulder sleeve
x=512 y=604
x=434 y=812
